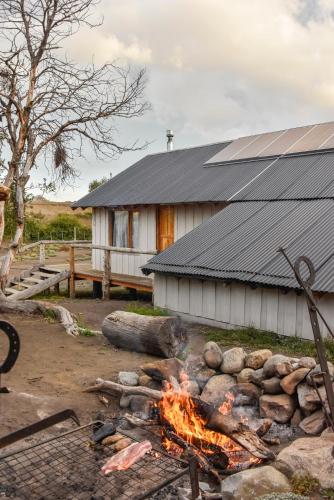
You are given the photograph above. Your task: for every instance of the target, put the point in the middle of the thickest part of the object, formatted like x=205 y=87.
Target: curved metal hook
x=14 y=346
x=309 y=281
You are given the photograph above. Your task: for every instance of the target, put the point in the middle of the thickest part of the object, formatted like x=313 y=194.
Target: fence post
x=106 y=276
x=42 y=254
x=72 y=273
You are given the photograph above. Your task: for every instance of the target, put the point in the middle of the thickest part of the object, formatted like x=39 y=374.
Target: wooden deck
x=84 y=271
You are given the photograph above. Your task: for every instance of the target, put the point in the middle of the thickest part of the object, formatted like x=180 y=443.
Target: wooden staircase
x=34 y=281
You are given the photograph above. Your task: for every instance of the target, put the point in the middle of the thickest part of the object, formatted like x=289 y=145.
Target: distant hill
x=50 y=209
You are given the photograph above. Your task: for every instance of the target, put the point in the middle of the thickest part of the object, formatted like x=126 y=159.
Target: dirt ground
x=53 y=368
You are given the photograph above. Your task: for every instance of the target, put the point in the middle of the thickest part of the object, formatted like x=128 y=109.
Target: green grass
x=86 y=332
x=146 y=310
x=252 y=338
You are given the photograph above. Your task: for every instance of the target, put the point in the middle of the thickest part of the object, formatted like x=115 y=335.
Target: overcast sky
x=217 y=69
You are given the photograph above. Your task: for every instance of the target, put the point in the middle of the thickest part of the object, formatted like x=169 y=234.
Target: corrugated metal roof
x=174 y=177
x=296 y=177
x=240 y=243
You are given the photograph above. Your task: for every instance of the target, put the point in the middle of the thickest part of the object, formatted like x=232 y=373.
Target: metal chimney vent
x=170 y=136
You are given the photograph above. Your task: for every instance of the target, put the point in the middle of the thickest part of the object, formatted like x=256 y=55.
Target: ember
x=179 y=412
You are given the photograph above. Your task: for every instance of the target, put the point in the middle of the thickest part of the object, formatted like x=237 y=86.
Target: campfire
x=184 y=428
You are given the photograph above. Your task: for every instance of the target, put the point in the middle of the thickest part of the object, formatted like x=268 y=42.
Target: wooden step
x=50 y=270
x=42 y=274
x=11 y=291
x=32 y=279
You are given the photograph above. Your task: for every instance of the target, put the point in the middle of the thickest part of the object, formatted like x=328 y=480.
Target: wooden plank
x=253 y=307
x=72 y=273
x=40 y=287
x=184 y=295
x=32 y=279
x=209 y=301
x=196 y=297
x=223 y=302
x=238 y=294
x=106 y=276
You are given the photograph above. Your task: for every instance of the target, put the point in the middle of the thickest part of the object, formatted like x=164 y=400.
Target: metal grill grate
x=67 y=467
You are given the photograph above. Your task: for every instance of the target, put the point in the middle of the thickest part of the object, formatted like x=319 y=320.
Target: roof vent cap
x=170 y=135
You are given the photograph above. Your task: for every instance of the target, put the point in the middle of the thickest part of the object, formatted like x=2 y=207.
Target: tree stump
x=161 y=336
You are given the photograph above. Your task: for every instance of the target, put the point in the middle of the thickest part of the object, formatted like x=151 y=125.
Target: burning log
x=193 y=451
x=234 y=429
x=159 y=335
x=213 y=420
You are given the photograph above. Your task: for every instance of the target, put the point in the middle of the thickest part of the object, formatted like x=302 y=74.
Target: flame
x=179 y=410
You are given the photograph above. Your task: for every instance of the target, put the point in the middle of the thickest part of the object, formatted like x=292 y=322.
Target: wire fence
x=69 y=234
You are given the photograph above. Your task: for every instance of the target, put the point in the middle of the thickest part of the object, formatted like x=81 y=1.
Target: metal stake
x=313 y=312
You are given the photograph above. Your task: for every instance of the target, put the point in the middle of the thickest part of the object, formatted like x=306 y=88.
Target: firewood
x=216 y=421
x=109 y=386
x=159 y=335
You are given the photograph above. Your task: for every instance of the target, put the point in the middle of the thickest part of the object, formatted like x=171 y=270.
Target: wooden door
x=165 y=227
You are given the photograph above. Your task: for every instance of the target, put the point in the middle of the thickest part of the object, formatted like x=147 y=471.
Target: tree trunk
x=44 y=308
x=9 y=257
x=158 y=335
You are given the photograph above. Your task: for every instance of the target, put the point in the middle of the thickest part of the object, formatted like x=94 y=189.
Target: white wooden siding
x=123 y=263
x=186 y=218
x=238 y=305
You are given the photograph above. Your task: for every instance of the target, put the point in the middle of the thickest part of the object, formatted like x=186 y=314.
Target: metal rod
x=314 y=312
x=193 y=474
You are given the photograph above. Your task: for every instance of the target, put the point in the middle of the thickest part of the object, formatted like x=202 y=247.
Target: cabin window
x=125 y=229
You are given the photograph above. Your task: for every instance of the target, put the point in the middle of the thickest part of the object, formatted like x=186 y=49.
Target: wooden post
x=42 y=254
x=106 y=276
x=72 y=271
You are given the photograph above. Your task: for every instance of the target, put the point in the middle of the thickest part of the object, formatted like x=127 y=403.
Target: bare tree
x=49 y=105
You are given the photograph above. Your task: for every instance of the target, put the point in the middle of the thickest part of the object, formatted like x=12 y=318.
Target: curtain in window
x=120 y=229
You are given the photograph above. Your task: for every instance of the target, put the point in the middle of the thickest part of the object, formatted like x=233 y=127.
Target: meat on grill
x=127 y=457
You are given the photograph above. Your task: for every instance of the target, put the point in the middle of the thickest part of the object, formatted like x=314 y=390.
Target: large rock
x=307 y=362
x=290 y=382
x=313 y=456
x=164 y=369
x=146 y=381
x=216 y=388
x=233 y=360
x=257 y=377
x=307 y=397
x=213 y=355
x=279 y=408
x=257 y=359
x=271 y=385
x=278 y=365
x=246 y=394
x=128 y=378
x=251 y=483
x=191 y=387
x=203 y=376
x=314 y=424
x=245 y=375
x=315 y=374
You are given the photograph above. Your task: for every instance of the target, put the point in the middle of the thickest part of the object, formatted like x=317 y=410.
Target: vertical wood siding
x=239 y=305
x=187 y=217
x=123 y=263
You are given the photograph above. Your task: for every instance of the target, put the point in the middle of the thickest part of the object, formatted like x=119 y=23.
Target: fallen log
x=108 y=386
x=158 y=335
x=44 y=308
x=214 y=420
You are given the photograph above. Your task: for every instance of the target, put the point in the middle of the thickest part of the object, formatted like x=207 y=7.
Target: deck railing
x=107 y=250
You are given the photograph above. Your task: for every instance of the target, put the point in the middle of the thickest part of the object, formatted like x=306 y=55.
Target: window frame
x=111 y=222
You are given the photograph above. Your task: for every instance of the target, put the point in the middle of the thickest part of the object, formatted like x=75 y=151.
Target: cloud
x=217 y=68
